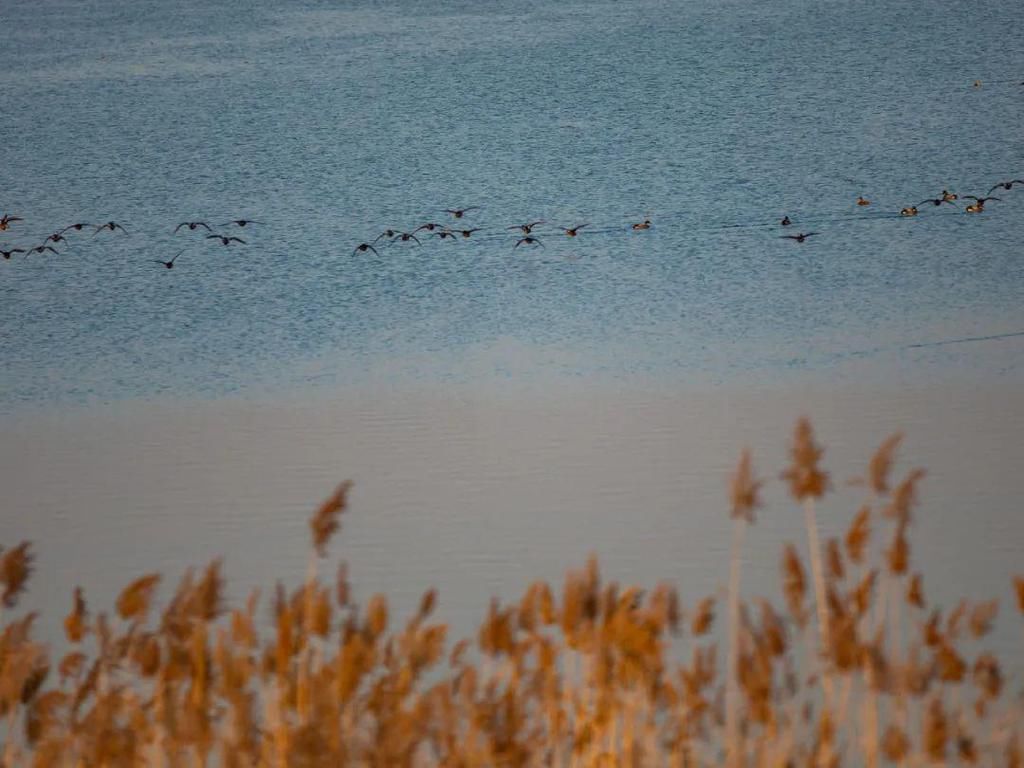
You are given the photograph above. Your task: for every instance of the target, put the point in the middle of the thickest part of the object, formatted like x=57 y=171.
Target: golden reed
x=853 y=667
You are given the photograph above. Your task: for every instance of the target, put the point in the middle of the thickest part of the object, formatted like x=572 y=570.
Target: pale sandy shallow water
x=478 y=491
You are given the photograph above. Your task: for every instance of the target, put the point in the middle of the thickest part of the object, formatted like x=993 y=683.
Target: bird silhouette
x=645 y=224
x=1007 y=185
x=240 y=222
x=225 y=239
x=527 y=241
x=55 y=238
x=525 y=228
x=77 y=227
x=937 y=201
x=799 y=238
x=193 y=224
x=572 y=231
x=363 y=248
x=979 y=202
x=387 y=233
x=169 y=264
x=6 y=220
x=909 y=211
x=42 y=249
x=458 y=213
x=444 y=234
x=785 y=221
x=467 y=232
x=111 y=225
x=948 y=196
x=429 y=226
x=7 y=254
x=405 y=237
x=861 y=200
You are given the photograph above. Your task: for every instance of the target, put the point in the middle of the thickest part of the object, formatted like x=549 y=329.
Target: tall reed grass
x=854 y=666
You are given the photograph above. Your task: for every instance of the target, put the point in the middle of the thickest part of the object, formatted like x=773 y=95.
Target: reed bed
x=853 y=666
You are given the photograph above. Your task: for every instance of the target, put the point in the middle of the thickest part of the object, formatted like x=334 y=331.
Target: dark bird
x=948 y=196
x=645 y=224
x=55 y=238
x=7 y=254
x=861 y=200
x=363 y=248
x=979 y=202
x=458 y=213
x=169 y=264
x=429 y=226
x=527 y=241
x=799 y=238
x=225 y=240
x=111 y=225
x=785 y=221
x=909 y=211
x=1007 y=185
x=7 y=220
x=445 y=234
x=42 y=249
x=937 y=201
x=525 y=228
x=405 y=237
x=388 y=233
x=193 y=224
x=467 y=232
x=572 y=231
x=77 y=227
x=240 y=222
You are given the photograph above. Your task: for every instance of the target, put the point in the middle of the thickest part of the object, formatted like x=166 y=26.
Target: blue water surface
x=331 y=122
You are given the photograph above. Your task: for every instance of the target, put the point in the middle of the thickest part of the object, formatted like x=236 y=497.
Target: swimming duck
x=937 y=201
x=785 y=221
x=980 y=201
x=948 y=196
x=645 y=224
x=861 y=200
x=909 y=211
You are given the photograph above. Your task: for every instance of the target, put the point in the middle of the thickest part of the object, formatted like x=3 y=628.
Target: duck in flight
x=387 y=233
x=645 y=224
x=799 y=238
x=42 y=249
x=909 y=211
x=444 y=234
x=240 y=222
x=7 y=254
x=77 y=227
x=785 y=221
x=979 y=202
x=937 y=201
x=572 y=231
x=458 y=213
x=56 y=237
x=225 y=239
x=405 y=237
x=169 y=264
x=861 y=200
x=7 y=220
x=467 y=232
x=193 y=224
x=526 y=228
x=527 y=241
x=111 y=225
x=1007 y=185
x=363 y=248
x=429 y=226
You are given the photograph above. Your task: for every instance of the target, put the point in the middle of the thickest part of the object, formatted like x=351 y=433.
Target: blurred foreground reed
x=854 y=666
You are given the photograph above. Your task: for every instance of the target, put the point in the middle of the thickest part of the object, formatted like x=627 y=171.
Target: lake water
x=503 y=410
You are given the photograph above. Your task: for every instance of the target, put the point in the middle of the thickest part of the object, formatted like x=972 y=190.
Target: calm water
x=332 y=122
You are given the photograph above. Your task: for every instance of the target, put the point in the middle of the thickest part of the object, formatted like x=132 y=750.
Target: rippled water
x=334 y=123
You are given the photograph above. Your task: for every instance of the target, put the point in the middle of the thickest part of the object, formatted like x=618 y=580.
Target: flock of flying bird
x=524 y=233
